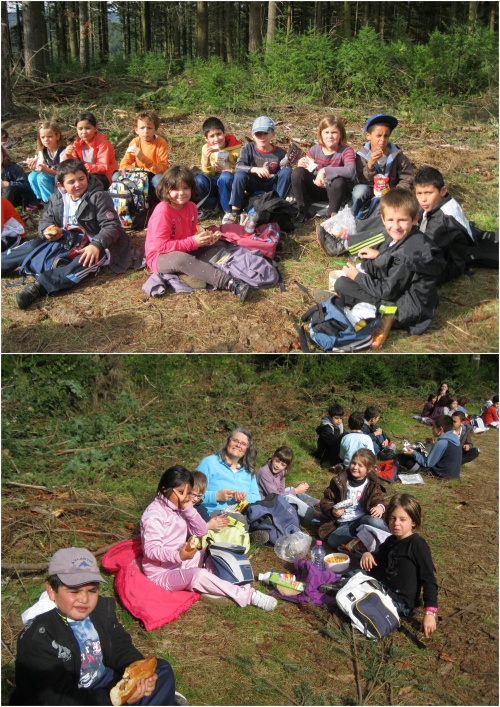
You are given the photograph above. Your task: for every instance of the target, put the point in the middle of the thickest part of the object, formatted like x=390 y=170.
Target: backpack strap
x=411 y=636
x=304 y=346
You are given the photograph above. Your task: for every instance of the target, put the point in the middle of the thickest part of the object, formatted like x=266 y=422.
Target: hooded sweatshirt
x=398 y=167
x=445 y=457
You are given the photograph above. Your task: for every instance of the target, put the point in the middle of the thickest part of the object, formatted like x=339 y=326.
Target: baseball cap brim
x=389 y=120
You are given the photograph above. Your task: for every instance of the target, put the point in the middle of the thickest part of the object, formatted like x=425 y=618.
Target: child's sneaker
x=264 y=601
x=231 y=217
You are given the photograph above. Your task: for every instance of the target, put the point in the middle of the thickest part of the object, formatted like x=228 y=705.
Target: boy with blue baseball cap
x=379 y=156
x=258 y=168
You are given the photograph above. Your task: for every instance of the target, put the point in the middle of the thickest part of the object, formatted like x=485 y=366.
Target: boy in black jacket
x=80 y=202
x=404 y=271
x=75 y=653
x=330 y=432
x=443 y=220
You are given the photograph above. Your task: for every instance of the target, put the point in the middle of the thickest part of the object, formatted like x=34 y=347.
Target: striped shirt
x=341 y=164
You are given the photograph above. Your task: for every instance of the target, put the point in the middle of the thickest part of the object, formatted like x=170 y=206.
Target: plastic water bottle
x=318 y=555
x=251 y=222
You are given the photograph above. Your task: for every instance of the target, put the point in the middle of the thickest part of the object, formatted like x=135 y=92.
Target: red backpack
x=388 y=470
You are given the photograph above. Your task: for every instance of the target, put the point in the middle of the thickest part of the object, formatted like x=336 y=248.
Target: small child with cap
x=80 y=645
x=258 y=168
x=379 y=156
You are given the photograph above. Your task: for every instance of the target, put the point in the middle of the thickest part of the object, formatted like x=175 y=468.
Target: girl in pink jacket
x=169 y=560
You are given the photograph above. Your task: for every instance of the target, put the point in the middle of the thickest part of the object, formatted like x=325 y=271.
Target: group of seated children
x=427 y=233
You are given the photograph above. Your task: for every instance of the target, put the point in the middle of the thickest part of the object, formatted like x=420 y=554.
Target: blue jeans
x=164 y=692
x=216 y=189
x=361 y=193
x=246 y=183
x=347 y=531
x=42 y=184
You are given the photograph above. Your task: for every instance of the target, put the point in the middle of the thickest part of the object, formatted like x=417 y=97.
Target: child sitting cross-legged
x=360 y=485
x=175 y=243
x=93 y=149
x=80 y=202
x=258 y=168
x=148 y=150
x=271 y=479
x=76 y=652
x=42 y=177
x=464 y=432
x=218 y=159
x=330 y=432
x=404 y=271
x=378 y=436
x=443 y=220
x=403 y=562
x=355 y=439
x=445 y=458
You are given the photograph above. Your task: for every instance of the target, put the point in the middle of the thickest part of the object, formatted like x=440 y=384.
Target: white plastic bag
x=288 y=547
x=342 y=225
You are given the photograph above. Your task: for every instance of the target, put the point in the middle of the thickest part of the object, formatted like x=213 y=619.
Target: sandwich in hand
x=124 y=689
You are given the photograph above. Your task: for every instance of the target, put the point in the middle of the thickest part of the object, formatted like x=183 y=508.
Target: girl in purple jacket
x=169 y=560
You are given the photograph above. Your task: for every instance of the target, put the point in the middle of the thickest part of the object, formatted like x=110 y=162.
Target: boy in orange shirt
x=148 y=150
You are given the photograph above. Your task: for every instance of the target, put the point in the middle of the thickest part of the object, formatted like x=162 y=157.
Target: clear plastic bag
x=288 y=547
x=342 y=225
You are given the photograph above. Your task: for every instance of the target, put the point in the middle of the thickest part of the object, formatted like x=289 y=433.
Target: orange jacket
x=104 y=155
x=155 y=155
x=9 y=215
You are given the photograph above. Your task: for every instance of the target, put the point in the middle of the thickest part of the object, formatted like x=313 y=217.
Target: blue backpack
x=54 y=254
x=331 y=330
x=274 y=515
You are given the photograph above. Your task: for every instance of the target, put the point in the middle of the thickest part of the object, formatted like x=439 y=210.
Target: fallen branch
x=356 y=666
x=139 y=411
x=87 y=449
x=28 y=486
x=447 y=620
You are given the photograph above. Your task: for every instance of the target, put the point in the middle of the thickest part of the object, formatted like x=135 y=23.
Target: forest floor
x=296 y=655
x=112 y=314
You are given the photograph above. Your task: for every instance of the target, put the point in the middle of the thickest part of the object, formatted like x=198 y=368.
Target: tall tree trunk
x=366 y=13
x=493 y=14
x=472 y=15
x=62 y=30
x=228 y=35
x=347 y=19
x=83 y=12
x=72 y=30
x=146 y=26
x=8 y=107
x=318 y=16
x=271 y=21
x=35 y=50
x=104 y=46
x=254 y=26
x=289 y=20
x=201 y=29
x=19 y=28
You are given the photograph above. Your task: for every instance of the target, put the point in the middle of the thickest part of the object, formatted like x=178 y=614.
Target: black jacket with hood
x=97 y=216
x=406 y=274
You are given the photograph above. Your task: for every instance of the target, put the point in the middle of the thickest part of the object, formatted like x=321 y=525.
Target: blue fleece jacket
x=221 y=476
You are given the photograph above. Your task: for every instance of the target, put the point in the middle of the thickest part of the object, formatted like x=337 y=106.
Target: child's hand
x=218 y=522
x=206 y=238
x=68 y=152
x=367 y=561
x=350 y=271
x=320 y=178
x=302 y=487
x=376 y=155
x=466 y=447
x=144 y=688
x=261 y=172
x=385 y=443
x=32 y=162
x=338 y=512
x=429 y=624
x=89 y=255
x=368 y=253
x=187 y=552
x=303 y=162
x=378 y=431
x=5 y=184
x=377 y=512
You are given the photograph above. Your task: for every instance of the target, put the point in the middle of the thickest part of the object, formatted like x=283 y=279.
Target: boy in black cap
x=75 y=653
x=379 y=156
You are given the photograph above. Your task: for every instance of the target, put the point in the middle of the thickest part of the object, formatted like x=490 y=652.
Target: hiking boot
x=259 y=537
x=301 y=218
x=263 y=601
x=180 y=699
x=231 y=217
x=330 y=245
x=29 y=294
x=204 y=214
x=238 y=288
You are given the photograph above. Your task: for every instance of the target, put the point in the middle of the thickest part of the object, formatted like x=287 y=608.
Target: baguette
x=53 y=231
x=124 y=689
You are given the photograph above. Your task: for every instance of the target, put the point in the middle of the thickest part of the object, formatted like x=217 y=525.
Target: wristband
x=431 y=610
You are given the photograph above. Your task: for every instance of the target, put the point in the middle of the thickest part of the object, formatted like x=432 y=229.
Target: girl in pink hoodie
x=169 y=560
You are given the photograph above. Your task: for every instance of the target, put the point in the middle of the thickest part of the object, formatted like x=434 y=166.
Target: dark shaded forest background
x=342 y=51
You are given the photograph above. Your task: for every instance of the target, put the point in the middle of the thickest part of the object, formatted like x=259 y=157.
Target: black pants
x=353 y=293
x=469 y=456
x=305 y=191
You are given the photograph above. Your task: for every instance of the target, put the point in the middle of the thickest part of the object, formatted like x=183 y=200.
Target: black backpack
x=274 y=515
x=271 y=208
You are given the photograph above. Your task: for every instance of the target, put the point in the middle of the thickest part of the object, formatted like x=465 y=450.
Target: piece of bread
x=193 y=542
x=124 y=689
x=53 y=231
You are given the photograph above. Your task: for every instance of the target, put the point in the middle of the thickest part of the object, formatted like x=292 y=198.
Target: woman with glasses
x=169 y=560
x=231 y=473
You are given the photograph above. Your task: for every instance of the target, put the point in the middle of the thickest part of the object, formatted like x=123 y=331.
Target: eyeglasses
x=239 y=443
x=195 y=495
